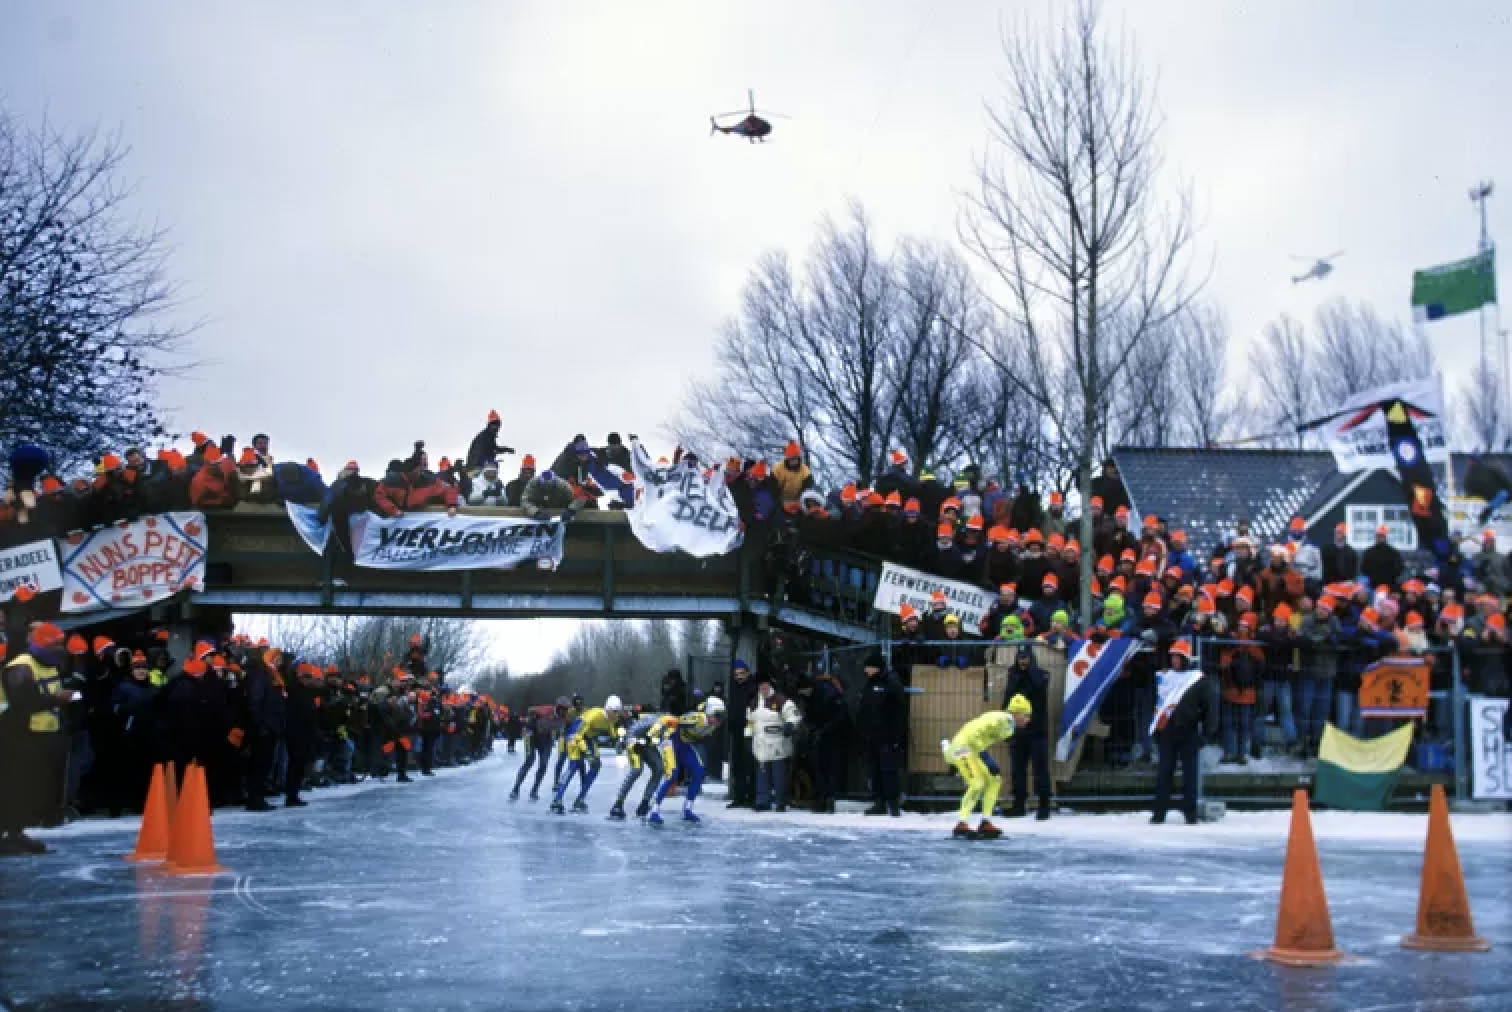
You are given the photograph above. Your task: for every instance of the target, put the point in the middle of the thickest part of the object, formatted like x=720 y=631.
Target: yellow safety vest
x=48 y=681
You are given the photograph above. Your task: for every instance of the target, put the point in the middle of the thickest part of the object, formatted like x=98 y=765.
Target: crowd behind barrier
x=1282 y=632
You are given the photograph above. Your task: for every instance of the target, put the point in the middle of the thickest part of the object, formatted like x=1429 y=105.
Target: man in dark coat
x=742 y=762
x=485 y=445
x=1382 y=563
x=882 y=723
x=1181 y=738
x=825 y=717
x=1031 y=743
x=1341 y=563
x=266 y=720
x=196 y=717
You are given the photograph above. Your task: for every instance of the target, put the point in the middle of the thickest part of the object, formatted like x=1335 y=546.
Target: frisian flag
x=1171 y=686
x=1089 y=676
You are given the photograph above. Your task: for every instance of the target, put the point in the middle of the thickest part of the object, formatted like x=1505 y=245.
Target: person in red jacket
x=215 y=484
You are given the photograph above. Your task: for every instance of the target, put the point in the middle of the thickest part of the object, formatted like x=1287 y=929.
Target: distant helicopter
x=750 y=126
x=1320 y=269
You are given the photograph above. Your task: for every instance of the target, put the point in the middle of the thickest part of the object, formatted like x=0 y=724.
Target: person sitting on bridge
x=582 y=751
x=214 y=485
x=487 y=490
x=256 y=478
x=485 y=446
x=411 y=485
x=514 y=492
x=546 y=492
x=300 y=483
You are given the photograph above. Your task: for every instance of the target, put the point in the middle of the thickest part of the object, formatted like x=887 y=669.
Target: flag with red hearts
x=134 y=565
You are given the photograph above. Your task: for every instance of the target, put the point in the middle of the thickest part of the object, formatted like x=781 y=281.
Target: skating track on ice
x=442 y=895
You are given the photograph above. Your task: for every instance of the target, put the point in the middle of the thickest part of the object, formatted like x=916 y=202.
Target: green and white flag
x=1461 y=287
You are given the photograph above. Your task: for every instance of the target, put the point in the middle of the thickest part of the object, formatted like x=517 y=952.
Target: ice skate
x=689 y=816
x=654 y=819
x=514 y=795
x=558 y=808
x=535 y=795
x=963 y=832
x=617 y=812
x=987 y=831
x=642 y=809
x=580 y=807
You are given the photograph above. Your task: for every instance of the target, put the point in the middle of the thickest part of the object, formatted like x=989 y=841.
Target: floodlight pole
x=1480 y=193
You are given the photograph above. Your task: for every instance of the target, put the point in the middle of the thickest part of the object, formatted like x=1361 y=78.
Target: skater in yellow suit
x=967 y=752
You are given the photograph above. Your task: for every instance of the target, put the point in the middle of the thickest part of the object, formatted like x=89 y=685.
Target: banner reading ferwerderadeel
x=435 y=541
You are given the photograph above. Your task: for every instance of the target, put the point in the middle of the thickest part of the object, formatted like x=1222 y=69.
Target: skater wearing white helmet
x=582 y=751
x=675 y=737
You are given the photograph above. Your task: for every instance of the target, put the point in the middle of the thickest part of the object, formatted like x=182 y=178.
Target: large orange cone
x=157 y=822
x=192 y=849
x=1443 y=919
x=1304 y=932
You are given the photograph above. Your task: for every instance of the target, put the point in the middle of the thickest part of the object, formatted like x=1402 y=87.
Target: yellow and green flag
x=1359 y=774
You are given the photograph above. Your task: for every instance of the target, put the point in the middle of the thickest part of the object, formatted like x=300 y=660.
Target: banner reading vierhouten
x=435 y=541
x=899 y=584
x=134 y=565
x=681 y=509
x=34 y=565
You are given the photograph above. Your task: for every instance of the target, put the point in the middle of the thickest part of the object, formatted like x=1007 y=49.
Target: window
x=1401 y=532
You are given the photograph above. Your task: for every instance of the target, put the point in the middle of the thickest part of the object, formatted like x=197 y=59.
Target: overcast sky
x=392 y=217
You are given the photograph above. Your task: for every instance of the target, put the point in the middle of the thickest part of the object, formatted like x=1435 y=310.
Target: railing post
x=327 y=573
x=467 y=590
x=1461 y=747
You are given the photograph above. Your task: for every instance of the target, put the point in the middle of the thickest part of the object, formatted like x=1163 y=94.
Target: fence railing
x=1271 y=703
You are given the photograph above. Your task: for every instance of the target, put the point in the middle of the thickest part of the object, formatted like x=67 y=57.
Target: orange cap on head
x=312 y=465
x=110 y=462
x=759 y=470
x=792 y=450
x=102 y=644
x=1244 y=594
x=1034 y=537
x=194 y=667
x=895 y=499
x=874 y=499
x=212 y=454
x=945 y=530
x=1181 y=648
x=77 y=645
x=1205 y=606
x=248 y=457
x=951 y=503
x=1122 y=511
x=974 y=522
x=1097 y=502
x=1007 y=588
x=997 y=534
x=938 y=597
x=493 y=416
x=1051 y=580
x=415 y=640
x=198 y=439
x=1414 y=620
x=1497 y=621
x=1178 y=537
x=907 y=611
x=1153 y=600
x=1282 y=612
x=1056 y=499
x=1105 y=564
x=1057 y=540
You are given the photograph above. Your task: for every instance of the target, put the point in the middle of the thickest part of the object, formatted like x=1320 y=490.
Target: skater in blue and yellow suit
x=675 y=737
x=967 y=752
x=581 y=738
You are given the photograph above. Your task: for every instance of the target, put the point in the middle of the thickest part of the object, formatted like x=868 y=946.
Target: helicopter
x=1320 y=269
x=750 y=126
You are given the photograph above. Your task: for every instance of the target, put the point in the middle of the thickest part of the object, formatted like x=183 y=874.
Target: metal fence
x=1269 y=705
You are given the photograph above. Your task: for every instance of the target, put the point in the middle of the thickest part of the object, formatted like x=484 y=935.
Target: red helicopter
x=750 y=126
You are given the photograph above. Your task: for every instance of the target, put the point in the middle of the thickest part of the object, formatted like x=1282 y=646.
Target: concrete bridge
x=258 y=563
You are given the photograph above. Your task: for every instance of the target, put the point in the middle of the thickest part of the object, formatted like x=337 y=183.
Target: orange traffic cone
x=157 y=822
x=192 y=849
x=1304 y=932
x=1443 y=919
x=170 y=777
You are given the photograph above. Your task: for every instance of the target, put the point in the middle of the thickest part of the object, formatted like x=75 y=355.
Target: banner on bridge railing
x=681 y=509
x=134 y=565
x=899 y=585
x=33 y=565
x=434 y=541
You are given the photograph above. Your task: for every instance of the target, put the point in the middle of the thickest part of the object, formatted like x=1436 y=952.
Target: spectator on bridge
x=488 y=490
x=485 y=445
x=614 y=453
x=546 y=492
x=1382 y=563
x=576 y=463
x=897 y=478
x=410 y=485
x=514 y=492
x=793 y=476
x=261 y=448
x=349 y=495
x=299 y=483
x=256 y=478
x=215 y=484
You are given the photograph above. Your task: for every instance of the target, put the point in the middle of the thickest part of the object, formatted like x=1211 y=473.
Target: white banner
x=1171 y=686
x=435 y=541
x=34 y=565
x=1490 y=752
x=314 y=533
x=899 y=584
x=134 y=565
x=682 y=509
x=1357 y=435
x=1464 y=520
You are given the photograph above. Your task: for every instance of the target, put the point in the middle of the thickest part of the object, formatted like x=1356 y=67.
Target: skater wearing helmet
x=573 y=713
x=582 y=751
x=644 y=756
x=675 y=736
x=967 y=752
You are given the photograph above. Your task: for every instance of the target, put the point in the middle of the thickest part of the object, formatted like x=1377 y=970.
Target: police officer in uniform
x=32 y=749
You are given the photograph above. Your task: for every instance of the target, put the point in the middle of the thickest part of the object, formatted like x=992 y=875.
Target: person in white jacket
x=770 y=723
x=487 y=489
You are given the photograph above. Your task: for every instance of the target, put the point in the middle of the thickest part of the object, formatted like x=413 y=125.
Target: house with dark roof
x=1206 y=492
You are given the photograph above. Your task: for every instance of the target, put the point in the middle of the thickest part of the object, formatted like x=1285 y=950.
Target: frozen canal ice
x=443 y=895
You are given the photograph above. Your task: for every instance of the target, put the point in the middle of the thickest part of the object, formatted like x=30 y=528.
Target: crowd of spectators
x=87 y=718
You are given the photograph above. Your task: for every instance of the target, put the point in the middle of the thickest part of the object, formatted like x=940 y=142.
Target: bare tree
x=1067 y=215
x=1483 y=411
x=1206 y=405
x=84 y=298
x=1358 y=349
x=1282 y=369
